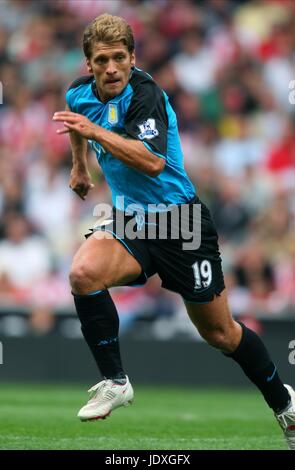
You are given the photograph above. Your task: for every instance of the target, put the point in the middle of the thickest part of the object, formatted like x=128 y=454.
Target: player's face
x=110 y=65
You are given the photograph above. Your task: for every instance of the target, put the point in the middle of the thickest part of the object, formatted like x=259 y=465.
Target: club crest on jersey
x=113 y=113
x=148 y=129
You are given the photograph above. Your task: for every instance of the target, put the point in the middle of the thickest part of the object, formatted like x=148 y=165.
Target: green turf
x=44 y=417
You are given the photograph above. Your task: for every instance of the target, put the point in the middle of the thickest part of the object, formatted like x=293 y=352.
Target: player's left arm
x=130 y=151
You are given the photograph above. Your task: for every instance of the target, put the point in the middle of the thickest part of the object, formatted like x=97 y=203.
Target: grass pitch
x=44 y=417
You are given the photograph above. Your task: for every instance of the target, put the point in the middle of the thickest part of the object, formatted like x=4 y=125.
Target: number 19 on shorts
x=202 y=274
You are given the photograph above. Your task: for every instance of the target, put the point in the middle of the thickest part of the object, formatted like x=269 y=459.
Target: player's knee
x=219 y=338
x=83 y=279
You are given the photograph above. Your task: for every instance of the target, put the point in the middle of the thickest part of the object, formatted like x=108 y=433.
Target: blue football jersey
x=141 y=111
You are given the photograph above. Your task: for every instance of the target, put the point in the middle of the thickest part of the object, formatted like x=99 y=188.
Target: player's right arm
x=80 y=179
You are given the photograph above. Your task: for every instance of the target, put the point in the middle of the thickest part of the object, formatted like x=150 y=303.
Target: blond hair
x=108 y=29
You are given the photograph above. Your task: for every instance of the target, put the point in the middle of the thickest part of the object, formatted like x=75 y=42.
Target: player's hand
x=75 y=122
x=80 y=183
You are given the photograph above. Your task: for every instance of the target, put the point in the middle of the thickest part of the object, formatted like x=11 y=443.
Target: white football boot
x=287 y=420
x=105 y=397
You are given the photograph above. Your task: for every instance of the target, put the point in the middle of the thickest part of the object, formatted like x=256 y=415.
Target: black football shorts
x=180 y=244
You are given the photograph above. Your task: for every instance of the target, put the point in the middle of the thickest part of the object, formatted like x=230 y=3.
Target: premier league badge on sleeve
x=148 y=129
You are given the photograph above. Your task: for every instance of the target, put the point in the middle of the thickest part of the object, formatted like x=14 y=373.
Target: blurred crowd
x=228 y=67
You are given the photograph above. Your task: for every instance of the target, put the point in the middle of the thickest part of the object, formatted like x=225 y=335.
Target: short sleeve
x=146 y=118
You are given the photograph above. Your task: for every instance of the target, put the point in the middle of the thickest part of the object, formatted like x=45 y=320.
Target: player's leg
x=100 y=263
x=196 y=274
x=216 y=325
